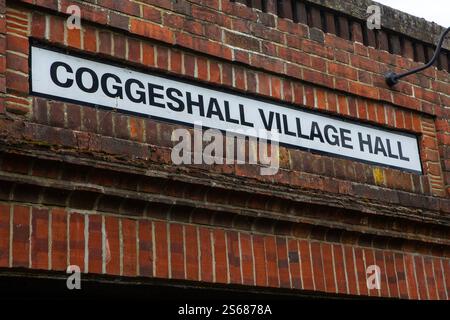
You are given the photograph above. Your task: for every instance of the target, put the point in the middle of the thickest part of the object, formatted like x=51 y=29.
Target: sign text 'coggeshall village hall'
x=90 y=120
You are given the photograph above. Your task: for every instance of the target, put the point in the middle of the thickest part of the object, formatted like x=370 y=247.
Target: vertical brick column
x=16 y=99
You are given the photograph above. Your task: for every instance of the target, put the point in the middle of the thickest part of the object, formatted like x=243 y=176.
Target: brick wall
x=52 y=238
x=97 y=188
x=348 y=21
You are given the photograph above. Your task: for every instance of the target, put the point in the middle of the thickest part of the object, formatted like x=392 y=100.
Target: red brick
x=380 y=114
x=364 y=90
x=40 y=111
x=317 y=78
x=371 y=111
x=189 y=65
x=287 y=91
x=56 y=114
x=56 y=29
x=343 y=105
x=362 y=109
x=59 y=239
x=306 y=266
x=411 y=277
x=263 y=84
x=251 y=80
x=21 y=236
x=294 y=264
x=134 y=50
x=202 y=68
x=17 y=44
x=162 y=58
x=76 y=239
x=408 y=120
x=440 y=278
x=112 y=246
x=446 y=266
x=145 y=248
x=120 y=126
x=239 y=78
x=89 y=119
x=74 y=38
x=317 y=266
x=177 y=251
x=2 y=64
x=283 y=262
x=39 y=24
x=234 y=260
x=206 y=261
x=309 y=96
x=220 y=255
x=390 y=115
x=95 y=244
x=192 y=252
x=319 y=64
x=151 y=14
x=105 y=42
x=161 y=246
x=391 y=274
x=151 y=30
x=339 y=268
x=350 y=268
x=175 y=61
x=4 y=234
x=379 y=261
x=3 y=90
x=119 y=21
x=299 y=93
x=399 y=121
x=53 y=4
x=352 y=107
x=421 y=278
x=271 y=261
x=129 y=8
x=275 y=84
x=369 y=259
x=331 y=102
x=260 y=260
x=148 y=54
x=327 y=258
x=246 y=259
x=214 y=72
x=342 y=70
x=430 y=278
x=241 y=56
x=3 y=24
x=241 y=41
x=39 y=239
x=227 y=75
x=90 y=39
x=416 y=123
x=130 y=263
x=17 y=82
x=361 y=271
x=401 y=275
x=136 y=128
x=119 y=46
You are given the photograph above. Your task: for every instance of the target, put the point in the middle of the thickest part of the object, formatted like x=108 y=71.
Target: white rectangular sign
x=66 y=77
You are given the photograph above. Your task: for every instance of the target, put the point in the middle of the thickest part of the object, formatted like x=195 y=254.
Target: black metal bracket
x=392 y=77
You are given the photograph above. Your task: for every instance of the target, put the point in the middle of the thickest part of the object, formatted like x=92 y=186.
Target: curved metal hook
x=392 y=77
